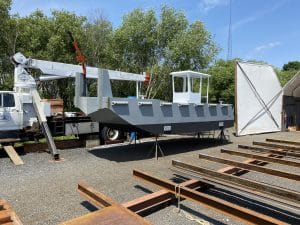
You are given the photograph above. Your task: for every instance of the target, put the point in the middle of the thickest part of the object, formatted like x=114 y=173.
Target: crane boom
x=55 y=70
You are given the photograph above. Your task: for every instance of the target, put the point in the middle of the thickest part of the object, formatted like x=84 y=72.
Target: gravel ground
x=44 y=192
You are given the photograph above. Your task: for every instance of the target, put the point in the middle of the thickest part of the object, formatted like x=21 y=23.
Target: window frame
x=9 y=102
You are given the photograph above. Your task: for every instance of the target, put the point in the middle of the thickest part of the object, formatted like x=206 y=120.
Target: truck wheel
x=109 y=134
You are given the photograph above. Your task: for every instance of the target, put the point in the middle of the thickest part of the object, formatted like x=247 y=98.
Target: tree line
x=144 y=41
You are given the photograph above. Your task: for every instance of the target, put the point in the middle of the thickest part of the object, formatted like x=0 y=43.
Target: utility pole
x=229 y=40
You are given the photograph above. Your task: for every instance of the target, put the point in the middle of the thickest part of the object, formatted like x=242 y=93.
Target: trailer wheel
x=109 y=134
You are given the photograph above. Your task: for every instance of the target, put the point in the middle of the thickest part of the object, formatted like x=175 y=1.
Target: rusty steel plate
x=112 y=215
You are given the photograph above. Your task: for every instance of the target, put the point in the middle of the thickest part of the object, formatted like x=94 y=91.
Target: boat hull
x=154 y=117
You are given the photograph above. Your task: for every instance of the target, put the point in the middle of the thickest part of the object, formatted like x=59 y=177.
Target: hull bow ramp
x=188 y=113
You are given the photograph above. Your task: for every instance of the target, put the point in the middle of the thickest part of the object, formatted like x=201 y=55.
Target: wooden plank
x=13 y=155
x=261 y=157
x=251 y=167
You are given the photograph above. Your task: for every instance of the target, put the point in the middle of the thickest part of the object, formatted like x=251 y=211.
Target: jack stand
x=157 y=147
x=135 y=141
x=222 y=136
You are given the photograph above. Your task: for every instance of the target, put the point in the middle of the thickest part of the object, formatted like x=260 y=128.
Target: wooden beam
x=13 y=155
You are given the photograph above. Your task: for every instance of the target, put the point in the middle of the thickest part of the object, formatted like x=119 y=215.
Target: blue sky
x=266 y=30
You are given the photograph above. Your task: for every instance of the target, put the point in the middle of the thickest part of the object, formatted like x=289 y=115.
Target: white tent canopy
x=292 y=88
x=258 y=99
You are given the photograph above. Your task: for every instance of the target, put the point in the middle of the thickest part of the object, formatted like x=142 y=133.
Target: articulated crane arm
x=25 y=83
x=55 y=70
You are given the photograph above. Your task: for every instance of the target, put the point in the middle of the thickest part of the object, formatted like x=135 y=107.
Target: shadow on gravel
x=146 y=190
x=200 y=216
x=142 y=151
x=89 y=206
x=268 y=209
x=19 y=150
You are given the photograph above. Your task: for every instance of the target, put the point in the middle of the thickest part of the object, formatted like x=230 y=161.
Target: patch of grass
x=43 y=140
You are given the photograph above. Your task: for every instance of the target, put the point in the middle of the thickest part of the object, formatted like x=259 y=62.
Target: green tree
x=4 y=25
x=285 y=75
x=222 y=81
x=44 y=37
x=97 y=45
x=192 y=49
x=292 y=65
x=171 y=23
x=288 y=71
x=143 y=42
x=135 y=41
x=6 y=48
x=161 y=45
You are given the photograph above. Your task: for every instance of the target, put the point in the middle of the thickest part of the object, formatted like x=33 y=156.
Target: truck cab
x=11 y=113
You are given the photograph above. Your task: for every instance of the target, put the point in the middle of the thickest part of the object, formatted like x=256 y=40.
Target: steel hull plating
x=157 y=117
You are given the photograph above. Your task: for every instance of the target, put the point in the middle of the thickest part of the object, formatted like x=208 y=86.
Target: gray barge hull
x=157 y=117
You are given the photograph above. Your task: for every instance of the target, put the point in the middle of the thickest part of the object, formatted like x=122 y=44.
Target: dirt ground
x=44 y=192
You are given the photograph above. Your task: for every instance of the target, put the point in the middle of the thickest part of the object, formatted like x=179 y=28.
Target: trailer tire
x=109 y=134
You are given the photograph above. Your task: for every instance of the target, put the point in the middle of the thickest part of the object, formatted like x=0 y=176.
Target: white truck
x=22 y=112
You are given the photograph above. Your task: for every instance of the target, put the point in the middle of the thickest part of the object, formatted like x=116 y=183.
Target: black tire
x=109 y=134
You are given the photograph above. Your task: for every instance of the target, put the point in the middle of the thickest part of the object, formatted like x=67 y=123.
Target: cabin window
x=180 y=84
x=195 y=84
x=7 y=100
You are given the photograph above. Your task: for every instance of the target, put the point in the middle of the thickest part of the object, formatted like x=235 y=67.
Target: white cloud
x=267 y=46
x=259 y=51
x=258 y=14
x=207 y=5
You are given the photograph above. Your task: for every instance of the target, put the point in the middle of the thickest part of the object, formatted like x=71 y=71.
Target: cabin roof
x=190 y=73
